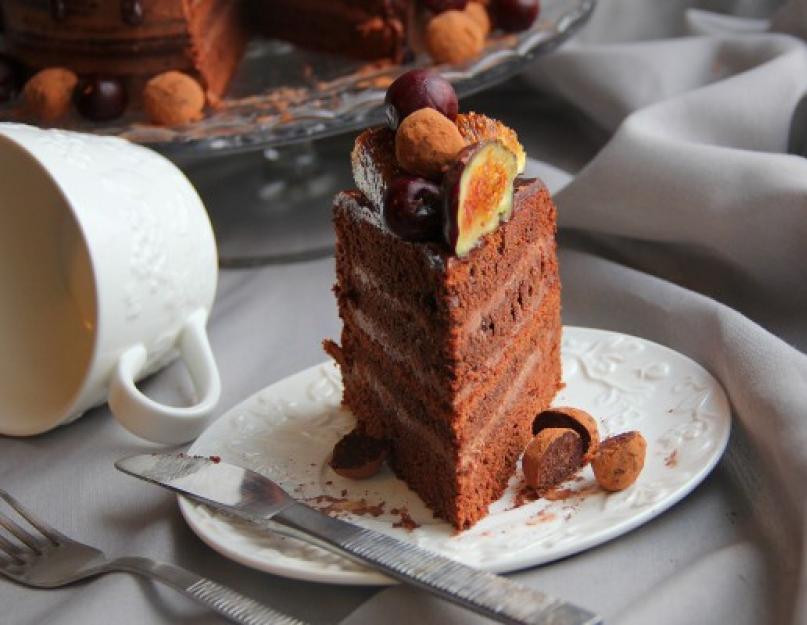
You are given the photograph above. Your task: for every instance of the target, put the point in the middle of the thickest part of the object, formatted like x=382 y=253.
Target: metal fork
x=43 y=557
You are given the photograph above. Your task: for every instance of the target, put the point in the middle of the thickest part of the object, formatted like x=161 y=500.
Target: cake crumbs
x=338 y=506
x=544 y=516
x=406 y=521
x=671 y=460
x=562 y=494
x=527 y=494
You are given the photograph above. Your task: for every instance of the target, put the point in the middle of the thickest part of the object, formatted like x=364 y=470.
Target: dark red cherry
x=10 y=78
x=100 y=98
x=412 y=209
x=515 y=15
x=438 y=6
x=419 y=89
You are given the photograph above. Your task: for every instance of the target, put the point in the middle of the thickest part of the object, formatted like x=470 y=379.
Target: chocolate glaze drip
x=132 y=12
x=58 y=9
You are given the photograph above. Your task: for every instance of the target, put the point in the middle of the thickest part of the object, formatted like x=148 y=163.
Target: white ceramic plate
x=287 y=431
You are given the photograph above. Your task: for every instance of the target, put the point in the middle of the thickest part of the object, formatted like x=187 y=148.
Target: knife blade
x=257 y=499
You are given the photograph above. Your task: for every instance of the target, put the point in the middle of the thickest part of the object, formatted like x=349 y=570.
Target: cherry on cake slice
x=448 y=288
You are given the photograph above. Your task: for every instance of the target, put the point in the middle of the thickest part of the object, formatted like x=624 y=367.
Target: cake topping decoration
x=418 y=89
x=515 y=15
x=173 y=98
x=132 y=12
x=412 y=209
x=479 y=14
x=475 y=127
x=47 y=93
x=101 y=98
x=357 y=456
x=551 y=457
x=427 y=143
x=454 y=37
x=438 y=6
x=619 y=461
x=478 y=194
x=578 y=420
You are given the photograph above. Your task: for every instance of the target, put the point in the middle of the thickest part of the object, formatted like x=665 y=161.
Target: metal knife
x=257 y=499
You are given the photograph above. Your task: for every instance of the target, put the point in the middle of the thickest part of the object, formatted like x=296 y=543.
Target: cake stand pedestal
x=274 y=206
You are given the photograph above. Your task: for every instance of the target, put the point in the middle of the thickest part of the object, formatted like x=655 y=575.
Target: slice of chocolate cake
x=449 y=353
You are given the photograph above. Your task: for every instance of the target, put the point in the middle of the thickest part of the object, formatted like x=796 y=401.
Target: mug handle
x=157 y=422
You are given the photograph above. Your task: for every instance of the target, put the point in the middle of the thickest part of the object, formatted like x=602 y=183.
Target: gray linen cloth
x=687 y=227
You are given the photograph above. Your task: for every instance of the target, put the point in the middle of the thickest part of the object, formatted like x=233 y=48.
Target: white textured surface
x=287 y=432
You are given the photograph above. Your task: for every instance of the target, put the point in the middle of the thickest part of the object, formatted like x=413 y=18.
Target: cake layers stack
x=448 y=358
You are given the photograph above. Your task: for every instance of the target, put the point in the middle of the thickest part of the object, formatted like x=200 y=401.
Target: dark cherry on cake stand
x=268 y=163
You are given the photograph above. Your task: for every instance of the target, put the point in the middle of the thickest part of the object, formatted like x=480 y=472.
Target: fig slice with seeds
x=478 y=193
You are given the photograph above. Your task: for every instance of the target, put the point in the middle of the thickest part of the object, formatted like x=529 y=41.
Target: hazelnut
x=479 y=14
x=578 y=420
x=173 y=98
x=427 y=142
x=551 y=457
x=357 y=456
x=453 y=37
x=48 y=93
x=619 y=460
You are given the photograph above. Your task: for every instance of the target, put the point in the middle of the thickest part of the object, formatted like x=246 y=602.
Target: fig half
x=478 y=193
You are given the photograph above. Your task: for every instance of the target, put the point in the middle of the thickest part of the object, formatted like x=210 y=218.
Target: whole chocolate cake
x=84 y=50
x=450 y=299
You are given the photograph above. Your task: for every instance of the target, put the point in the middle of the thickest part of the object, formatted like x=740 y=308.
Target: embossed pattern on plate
x=287 y=431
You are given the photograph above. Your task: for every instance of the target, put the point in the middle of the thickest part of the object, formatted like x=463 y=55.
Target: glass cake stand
x=268 y=161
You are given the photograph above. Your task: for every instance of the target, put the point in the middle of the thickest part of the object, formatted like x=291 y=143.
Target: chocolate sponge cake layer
x=449 y=358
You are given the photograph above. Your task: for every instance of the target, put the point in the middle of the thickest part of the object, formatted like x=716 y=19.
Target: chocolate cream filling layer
x=473 y=449
x=457 y=423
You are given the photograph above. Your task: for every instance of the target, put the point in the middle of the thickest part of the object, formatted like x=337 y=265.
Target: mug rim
x=67 y=411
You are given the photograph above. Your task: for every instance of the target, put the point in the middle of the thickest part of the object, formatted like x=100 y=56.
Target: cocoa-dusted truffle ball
x=173 y=98
x=578 y=420
x=453 y=37
x=619 y=460
x=479 y=14
x=426 y=143
x=551 y=457
x=48 y=93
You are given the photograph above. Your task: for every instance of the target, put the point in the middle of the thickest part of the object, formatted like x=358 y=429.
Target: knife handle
x=485 y=593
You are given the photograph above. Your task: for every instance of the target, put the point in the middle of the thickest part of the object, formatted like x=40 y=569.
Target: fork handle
x=227 y=602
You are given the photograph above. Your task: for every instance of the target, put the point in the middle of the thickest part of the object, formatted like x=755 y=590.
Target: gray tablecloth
x=685 y=223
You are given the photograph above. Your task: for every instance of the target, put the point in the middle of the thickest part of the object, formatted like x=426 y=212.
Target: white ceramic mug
x=108 y=270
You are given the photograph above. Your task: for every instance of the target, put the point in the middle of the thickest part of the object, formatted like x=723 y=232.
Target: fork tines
x=14 y=539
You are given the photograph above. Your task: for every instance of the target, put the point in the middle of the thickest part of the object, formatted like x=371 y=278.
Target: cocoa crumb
x=562 y=494
x=544 y=516
x=406 y=522
x=672 y=459
x=336 y=506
